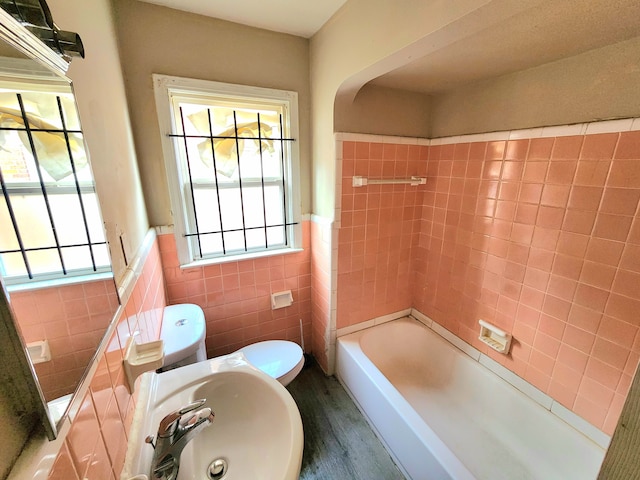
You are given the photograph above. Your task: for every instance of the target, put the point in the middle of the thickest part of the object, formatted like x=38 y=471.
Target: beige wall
x=100 y=94
x=598 y=84
x=156 y=39
x=385 y=111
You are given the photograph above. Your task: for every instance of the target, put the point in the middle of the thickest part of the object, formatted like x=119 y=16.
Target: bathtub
x=443 y=415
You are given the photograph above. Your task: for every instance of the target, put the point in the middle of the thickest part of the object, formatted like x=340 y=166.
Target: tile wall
x=321 y=247
x=236 y=296
x=95 y=447
x=73 y=318
x=378 y=227
x=538 y=235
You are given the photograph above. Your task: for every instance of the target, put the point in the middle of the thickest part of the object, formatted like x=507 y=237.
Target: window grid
x=215 y=174
x=284 y=190
x=236 y=138
x=7 y=191
x=264 y=204
x=244 y=231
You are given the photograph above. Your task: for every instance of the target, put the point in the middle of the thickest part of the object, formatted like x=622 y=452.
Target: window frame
x=165 y=88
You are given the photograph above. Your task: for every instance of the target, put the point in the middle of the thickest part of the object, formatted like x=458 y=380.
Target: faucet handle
x=192 y=421
x=169 y=423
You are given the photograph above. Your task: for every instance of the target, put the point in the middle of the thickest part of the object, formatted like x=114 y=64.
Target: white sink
x=256 y=432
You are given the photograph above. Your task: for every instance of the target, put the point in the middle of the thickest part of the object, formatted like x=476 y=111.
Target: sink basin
x=256 y=433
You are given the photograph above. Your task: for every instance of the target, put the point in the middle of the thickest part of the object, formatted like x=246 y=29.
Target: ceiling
x=552 y=30
x=297 y=17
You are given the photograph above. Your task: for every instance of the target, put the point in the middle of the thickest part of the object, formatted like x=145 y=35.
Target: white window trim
x=164 y=87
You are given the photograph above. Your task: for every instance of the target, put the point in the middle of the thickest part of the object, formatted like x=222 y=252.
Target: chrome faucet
x=175 y=431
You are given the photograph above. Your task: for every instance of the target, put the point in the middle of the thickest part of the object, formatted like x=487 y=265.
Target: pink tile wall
x=143 y=311
x=96 y=445
x=236 y=296
x=542 y=238
x=73 y=318
x=320 y=291
x=378 y=227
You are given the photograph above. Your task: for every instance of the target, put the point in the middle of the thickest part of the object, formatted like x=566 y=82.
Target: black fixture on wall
x=36 y=17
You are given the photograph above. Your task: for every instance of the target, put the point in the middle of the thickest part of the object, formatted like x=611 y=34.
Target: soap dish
x=39 y=351
x=142 y=357
x=496 y=338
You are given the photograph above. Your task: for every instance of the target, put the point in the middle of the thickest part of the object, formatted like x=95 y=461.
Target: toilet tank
x=183 y=333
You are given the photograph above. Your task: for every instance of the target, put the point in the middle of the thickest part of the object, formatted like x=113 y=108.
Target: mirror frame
x=12 y=345
x=17 y=36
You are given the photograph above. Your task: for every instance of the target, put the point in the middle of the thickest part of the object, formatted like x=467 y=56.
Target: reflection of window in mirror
x=53 y=253
x=51 y=221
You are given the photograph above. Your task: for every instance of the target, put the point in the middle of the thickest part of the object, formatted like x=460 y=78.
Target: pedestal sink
x=256 y=433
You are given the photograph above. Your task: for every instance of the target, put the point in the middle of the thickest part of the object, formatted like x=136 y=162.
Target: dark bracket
x=36 y=17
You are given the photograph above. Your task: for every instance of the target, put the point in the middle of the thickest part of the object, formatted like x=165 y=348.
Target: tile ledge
x=586 y=128
x=356 y=327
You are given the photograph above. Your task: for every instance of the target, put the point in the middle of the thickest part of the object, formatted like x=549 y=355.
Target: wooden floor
x=338 y=442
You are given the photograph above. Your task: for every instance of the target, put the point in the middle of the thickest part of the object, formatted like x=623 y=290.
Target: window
x=231 y=161
x=50 y=220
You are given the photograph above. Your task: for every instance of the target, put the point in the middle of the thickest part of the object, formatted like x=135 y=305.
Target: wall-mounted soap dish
x=142 y=357
x=496 y=338
x=39 y=351
x=281 y=299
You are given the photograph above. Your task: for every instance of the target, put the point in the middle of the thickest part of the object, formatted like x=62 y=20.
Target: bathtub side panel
x=386 y=410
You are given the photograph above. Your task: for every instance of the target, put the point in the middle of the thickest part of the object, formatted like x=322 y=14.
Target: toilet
x=183 y=333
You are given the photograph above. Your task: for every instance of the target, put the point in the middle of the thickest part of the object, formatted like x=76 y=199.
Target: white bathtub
x=442 y=415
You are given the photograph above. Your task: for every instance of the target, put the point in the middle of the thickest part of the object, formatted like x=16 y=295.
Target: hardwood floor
x=338 y=442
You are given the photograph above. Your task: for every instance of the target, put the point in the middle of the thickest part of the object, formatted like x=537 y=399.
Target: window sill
x=58 y=282
x=240 y=258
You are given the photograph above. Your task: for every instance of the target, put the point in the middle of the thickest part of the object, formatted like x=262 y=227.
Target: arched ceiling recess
x=498 y=38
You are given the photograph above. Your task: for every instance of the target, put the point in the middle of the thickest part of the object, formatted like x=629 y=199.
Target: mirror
x=54 y=258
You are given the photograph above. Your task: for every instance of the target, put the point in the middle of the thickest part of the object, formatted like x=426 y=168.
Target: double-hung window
x=50 y=222
x=232 y=167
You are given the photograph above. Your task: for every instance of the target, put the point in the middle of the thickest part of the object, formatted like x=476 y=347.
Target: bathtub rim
x=596 y=435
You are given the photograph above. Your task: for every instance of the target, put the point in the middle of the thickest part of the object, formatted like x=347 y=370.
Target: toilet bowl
x=279 y=359
x=183 y=333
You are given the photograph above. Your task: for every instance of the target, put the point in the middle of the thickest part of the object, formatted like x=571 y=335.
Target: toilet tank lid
x=183 y=328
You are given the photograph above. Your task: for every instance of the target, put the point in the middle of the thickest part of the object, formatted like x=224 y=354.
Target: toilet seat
x=279 y=359
x=183 y=330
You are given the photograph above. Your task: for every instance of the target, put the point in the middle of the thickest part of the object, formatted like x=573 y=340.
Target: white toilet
x=183 y=333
